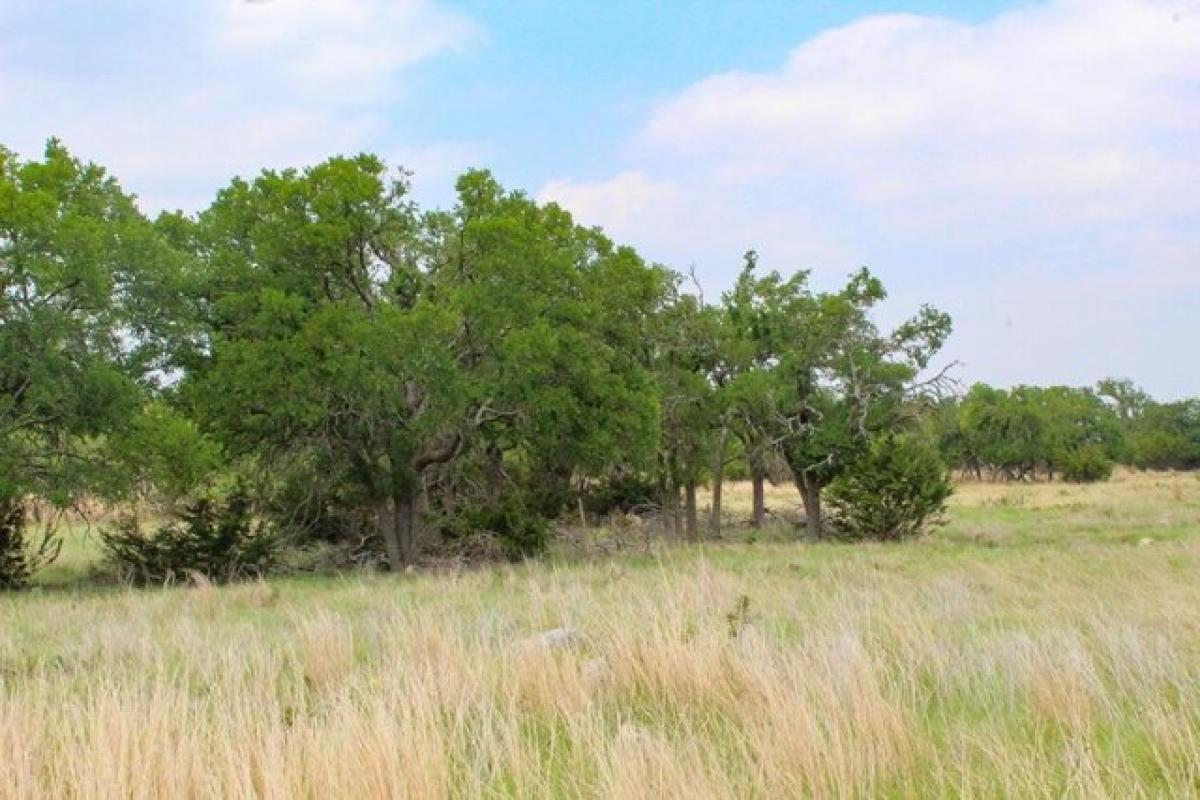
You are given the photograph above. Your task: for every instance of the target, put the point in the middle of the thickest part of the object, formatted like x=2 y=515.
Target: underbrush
x=219 y=541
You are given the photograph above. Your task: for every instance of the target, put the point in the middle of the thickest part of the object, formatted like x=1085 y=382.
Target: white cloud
x=181 y=99
x=343 y=47
x=1073 y=112
x=682 y=222
x=1051 y=142
x=616 y=202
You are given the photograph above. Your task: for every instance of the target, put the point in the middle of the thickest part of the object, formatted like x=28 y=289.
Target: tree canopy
x=83 y=276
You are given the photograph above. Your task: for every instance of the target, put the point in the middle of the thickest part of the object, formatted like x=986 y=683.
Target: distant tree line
x=314 y=358
x=1076 y=434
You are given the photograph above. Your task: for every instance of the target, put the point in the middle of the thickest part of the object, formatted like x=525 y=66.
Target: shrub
x=1086 y=464
x=521 y=531
x=622 y=492
x=220 y=541
x=895 y=491
x=18 y=558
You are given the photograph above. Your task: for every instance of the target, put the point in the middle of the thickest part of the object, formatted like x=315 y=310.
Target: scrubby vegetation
x=217 y=541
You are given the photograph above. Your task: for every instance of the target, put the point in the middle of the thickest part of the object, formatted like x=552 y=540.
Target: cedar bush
x=519 y=529
x=897 y=490
x=219 y=540
x=622 y=492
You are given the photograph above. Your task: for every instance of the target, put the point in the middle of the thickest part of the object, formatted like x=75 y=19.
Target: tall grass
x=1053 y=661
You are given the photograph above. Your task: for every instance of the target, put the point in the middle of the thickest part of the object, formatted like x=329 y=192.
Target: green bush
x=19 y=559
x=220 y=541
x=621 y=493
x=895 y=491
x=520 y=530
x=1087 y=464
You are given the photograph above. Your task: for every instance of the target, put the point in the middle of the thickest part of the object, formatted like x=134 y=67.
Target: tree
x=1156 y=435
x=415 y=363
x=1167 y=436
x=1081 y=432
x=220 y=541
x=685 y=355
x=162 y=457
x=838 y=379
x=19 y=556
x=79 y=271
x=1001 y=431
x=317 y=343
x=1127 y=400
x=1086 y=464
x=750 y=388
x=558 y=334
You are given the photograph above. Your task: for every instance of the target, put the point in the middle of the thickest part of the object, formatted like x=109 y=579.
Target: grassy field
x=1045 y=643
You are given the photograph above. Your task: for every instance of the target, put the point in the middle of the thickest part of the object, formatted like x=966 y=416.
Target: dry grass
x=1033 y=648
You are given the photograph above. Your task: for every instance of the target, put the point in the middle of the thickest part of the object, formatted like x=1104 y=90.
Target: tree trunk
x=400 y=526
x=760 y=507
x=387 y=520
x=670 y=501
x=810 y=493
x=689 y=507
x=420 y=507
x=714 y=517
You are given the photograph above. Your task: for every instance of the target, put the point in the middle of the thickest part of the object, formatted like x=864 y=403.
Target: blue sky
x=1031 y=167
x=561 y=83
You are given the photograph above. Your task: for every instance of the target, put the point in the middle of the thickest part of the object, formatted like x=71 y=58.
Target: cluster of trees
x=319 y=353
x=1076 y=434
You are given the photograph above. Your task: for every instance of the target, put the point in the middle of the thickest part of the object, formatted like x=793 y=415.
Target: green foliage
x=623 y=491
x=161 y=452
x=520 y=530
x=897 y=490
x=1086 y=464
x=815 y=377
x=685 y=355
x=687 y=342
x=1156 y=435
x=81 y=272
x=19 y=559
x=1016 y=433
x=1166 y=436
x=219 y=540
x=1126 y=399
x=390 y=348
x=1000 y=431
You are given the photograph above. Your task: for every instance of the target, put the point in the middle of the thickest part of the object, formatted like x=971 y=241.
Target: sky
x=1033 y=168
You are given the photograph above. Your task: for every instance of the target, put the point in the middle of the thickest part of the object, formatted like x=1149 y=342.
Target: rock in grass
x=558 y=638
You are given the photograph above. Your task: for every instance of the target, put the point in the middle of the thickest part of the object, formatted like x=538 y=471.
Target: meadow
x=1044 y=643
